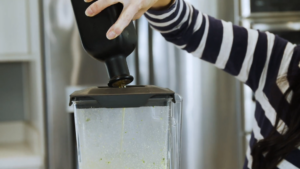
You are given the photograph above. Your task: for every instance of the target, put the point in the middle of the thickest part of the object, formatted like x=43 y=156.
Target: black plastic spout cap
x=93 y=36
x=118 y=71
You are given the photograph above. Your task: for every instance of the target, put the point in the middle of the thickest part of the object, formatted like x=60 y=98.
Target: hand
x=132 y=10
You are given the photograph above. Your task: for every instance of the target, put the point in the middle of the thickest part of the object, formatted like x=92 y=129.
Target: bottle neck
x=118 y=71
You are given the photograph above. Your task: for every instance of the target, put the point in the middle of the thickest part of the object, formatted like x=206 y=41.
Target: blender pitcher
x=137 y=127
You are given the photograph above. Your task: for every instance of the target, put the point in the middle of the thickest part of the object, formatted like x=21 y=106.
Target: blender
x=121 y=126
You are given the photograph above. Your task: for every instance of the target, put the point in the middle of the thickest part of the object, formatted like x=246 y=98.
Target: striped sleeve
x=244 y=53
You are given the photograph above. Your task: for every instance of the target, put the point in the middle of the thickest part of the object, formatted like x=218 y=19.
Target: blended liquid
x=131 y=138
x=123 y=121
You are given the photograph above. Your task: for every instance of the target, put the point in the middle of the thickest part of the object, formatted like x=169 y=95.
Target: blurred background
x=42 y=62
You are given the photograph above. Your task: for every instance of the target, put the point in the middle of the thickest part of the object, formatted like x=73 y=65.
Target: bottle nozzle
x=118 y=71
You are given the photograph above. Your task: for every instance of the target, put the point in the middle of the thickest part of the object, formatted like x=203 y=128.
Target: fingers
x=98 y=6
x=125 y=18
x=138 y=15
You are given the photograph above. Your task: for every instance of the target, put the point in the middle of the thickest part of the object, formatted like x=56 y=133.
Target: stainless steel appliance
x=279 y=17
x=67 y=68
x=286 y=26
x=267 y=8
x=211 y=124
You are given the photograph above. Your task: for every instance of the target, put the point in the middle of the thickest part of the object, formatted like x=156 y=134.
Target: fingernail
x=87 y=0
x=111 y=35
x=89 y=12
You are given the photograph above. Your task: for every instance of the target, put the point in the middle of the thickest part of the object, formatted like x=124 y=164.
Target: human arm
x=254 y=57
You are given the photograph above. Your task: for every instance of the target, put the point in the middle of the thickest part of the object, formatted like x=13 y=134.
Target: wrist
x=162 y=4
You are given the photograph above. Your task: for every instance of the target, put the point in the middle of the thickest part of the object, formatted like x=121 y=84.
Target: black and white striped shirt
x=258 y=59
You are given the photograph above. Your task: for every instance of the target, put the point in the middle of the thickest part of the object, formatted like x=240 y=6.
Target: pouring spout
x=118 y=71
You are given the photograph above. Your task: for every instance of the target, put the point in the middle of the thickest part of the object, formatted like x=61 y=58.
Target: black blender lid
x=131 y=96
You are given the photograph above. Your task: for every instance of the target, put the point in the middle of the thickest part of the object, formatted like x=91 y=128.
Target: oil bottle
x=113 y=52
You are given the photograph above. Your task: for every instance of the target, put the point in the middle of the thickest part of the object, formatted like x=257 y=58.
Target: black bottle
x=113 y=52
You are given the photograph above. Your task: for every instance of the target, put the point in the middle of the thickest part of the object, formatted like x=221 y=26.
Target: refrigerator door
x=67 y=67
x=207 y=101
x=212 y=124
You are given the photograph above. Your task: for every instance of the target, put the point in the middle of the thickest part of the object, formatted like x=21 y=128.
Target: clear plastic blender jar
x=133 y=128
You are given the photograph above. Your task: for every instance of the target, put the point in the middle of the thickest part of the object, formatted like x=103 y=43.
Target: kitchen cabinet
x=14 y=27
x=19 y=30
